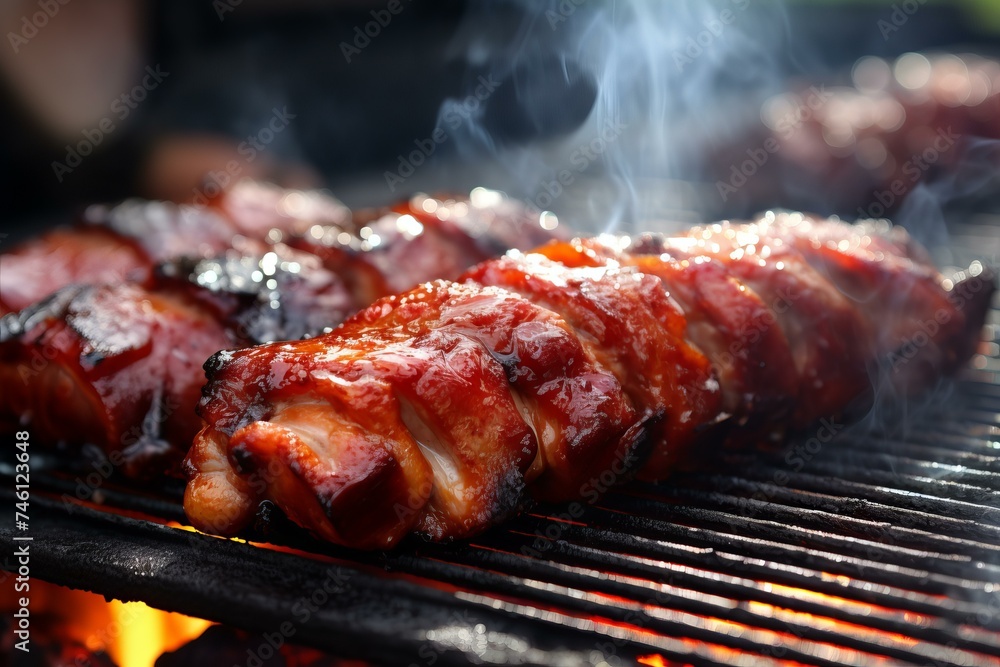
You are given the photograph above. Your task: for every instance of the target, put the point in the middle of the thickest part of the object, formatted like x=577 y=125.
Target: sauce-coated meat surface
x=112 y=319
x=439 y=411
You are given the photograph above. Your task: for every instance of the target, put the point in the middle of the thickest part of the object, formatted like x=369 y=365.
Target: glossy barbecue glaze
x=111 y=245
x=225 y=268
x=428 y=412
x=437 y=411
x=109 y=364
x=36 y=269
x=119 y=365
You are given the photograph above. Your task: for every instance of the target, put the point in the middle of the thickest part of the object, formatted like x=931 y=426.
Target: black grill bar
x=900 y=448
x=66 y=489
x=721 y=602
x=886 y=479
x=667 y=549
x=934 y=470
x=723 y=488
x=822 y=516
x=975 y=441
x=575 y=591
x=489 y=556
x=760 y=476
x=797 y=567
x=259 y=589
x=948 y=569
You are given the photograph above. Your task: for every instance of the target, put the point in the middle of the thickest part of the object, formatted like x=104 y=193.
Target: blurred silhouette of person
x=105 y=99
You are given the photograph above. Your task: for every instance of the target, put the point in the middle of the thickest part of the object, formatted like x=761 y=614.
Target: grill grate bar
x=823 y=516
x=259 y=589
x=687 y=618
x=701 y=582
x=499 y=553
x=742 y=490
x=70 y=494
x=950 y=568
x=678 y=605
x=860 y=455
x=884 y=479
x=978 y=440
x=954 y=427
x=676 y=621
x=910 y=467
x=875 y=571
x=985 y=417
x=901 y=448
x=794 y=566
x=728 y=600
x=981 y=403
x=808 y=482
x=977 y=389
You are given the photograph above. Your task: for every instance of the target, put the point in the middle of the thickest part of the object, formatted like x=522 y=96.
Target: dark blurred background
x=159 y=94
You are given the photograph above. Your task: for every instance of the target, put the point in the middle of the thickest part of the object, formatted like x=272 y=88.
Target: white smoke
x=611 y=101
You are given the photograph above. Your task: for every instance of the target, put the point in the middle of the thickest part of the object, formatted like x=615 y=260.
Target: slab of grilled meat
x=113 y=244
x=440 y=410
x=377 y=252
x=117 y=363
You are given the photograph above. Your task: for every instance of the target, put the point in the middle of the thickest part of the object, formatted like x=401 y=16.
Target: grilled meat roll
x=439 y=410
x=112 y=244
x=376 y=252
x=109 y=364
x=119 y=365
x=425 y=238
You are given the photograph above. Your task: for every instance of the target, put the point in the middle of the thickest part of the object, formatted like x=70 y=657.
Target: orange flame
x=148 y=633
x=132 y=634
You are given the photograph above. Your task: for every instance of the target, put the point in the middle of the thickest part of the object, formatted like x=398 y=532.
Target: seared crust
x=109 y=364
x=534 y=373
x=120 y=365
x=229 y=268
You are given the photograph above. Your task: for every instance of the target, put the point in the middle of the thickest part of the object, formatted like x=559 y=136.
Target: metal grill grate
x=881 y=546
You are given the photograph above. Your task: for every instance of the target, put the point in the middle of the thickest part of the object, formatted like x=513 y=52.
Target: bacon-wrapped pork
x=126 y=242
x=119 y=364
x=440 y=410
